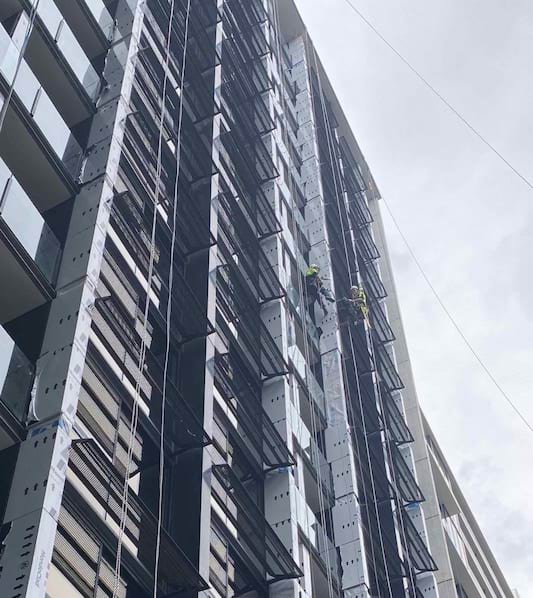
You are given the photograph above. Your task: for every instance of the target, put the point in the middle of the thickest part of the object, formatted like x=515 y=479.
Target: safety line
x=399 y=506
x=380 y=398
x=144 y=336
x=302 y=293
x=334 y=163
x=331 y=157
x=169 y=299
x=454 y=110
x=20 y=58
x=454 y=322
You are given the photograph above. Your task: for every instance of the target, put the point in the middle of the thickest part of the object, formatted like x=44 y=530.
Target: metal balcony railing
x=387 y=369
x=260 y=438
x=408 y=489
x=255 y=541
x=372 y=282
x=398 y=429
x=419 y=554
x=183 y=430
x=382 y=330
x=95 y=471
x=365 y=244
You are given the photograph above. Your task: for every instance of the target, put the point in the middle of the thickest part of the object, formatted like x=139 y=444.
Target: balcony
x=16 y=377
x=254 y=542
x=319 y=545
x=43 y=138
x=27 y=225
x=90 y=468
x=419 y=555
x=396 y=425
x=259 y=437
x=56 y=57
x=317 y=475
x=29 y=251
x=91 y=23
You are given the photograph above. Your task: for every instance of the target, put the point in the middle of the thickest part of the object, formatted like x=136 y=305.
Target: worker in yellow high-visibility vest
x=315 y=287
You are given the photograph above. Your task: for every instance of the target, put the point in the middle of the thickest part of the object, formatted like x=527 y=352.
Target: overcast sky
x=468 y=218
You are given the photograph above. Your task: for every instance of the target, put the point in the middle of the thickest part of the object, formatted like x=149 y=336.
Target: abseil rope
x=401 y=513
x=169 y=299
x=142 y=354
x=331 y=157
x=303 y=304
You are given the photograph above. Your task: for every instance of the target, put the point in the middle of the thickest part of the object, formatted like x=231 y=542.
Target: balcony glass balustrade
x=27 y=224
x=69 y=46
x=36 y=101
x=16 y=376
x=99 y=11
x=316 y=536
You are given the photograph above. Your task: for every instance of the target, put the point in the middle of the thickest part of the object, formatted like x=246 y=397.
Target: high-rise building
x=184 y=409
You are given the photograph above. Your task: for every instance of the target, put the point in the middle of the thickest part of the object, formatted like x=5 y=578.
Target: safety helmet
x=315 y=267
x=354 y=289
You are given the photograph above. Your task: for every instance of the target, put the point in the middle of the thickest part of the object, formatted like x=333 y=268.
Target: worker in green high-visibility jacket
x=315 y=287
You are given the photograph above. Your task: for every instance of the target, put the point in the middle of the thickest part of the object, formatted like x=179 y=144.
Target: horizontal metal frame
x=269 y=448
x=396 y=424
x=176 y=572
x=372 y=282
x=365 y=244
x=408 y=490
x=262 y=345
x=352 y=173
x=262 y=214
x=387 y=369
x=236 y=238
x=183 y=431
x=358 y=210
x=190 y=320
x=321 y=473
x=380 y=323
x=419 y=555
x=251 y=574
x=248 y=519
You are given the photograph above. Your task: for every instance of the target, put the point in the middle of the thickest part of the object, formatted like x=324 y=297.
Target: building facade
x=179 y=416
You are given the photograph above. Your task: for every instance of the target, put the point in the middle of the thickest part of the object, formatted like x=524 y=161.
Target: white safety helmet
x=315 y=267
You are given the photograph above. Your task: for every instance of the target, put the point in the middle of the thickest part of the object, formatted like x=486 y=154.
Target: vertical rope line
x=349 y=404
x=331 y=156
x=401 y=514
x=303 y=303
x=169 y=300
x=20 y=58
x=380 y=401
x=142 y=354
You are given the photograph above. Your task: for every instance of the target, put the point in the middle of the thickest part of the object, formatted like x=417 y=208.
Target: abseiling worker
x=315 y=287
x=355 y=306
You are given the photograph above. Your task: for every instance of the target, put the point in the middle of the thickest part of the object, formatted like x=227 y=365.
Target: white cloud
x=469 y=219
